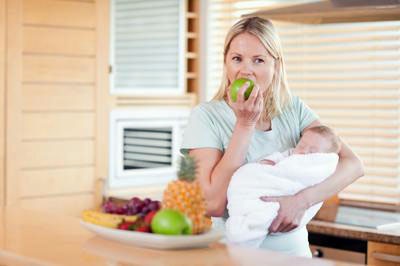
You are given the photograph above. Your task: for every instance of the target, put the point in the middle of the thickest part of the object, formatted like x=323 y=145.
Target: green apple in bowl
x=171 y=222
x=237 y=84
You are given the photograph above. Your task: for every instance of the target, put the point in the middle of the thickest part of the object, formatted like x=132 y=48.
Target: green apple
x=237 y=84
x=171 y=222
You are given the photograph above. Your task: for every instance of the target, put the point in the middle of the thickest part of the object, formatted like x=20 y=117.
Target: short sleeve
x=201 y=131
x=306 y=115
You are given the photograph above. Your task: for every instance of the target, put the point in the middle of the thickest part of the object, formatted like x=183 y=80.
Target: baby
x=319 y=139
x=313 y=159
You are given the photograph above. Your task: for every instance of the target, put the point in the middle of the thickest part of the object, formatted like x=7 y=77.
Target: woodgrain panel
x=59 y=13
x=58 y=41
x=58 y=69
x=45 y=97
x=70 y=205
x=51 y=65
x=57 y=125
x=103 y=99
x=13 y=85
x=2 y=103
x=57 y=153
x=382 y=254
x=56 y=181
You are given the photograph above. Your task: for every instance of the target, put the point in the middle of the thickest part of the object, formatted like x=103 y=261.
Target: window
x=349 y=74
x=147 y=47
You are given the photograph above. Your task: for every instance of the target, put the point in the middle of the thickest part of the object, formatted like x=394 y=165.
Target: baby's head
x=319 y=139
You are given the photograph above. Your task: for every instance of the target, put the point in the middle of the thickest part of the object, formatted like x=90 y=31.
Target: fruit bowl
x=156 y=241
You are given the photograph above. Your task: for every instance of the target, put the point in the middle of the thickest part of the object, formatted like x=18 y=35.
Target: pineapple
x=186 y=196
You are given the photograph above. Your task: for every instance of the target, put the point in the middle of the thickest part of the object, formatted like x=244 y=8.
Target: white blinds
x=349 y=74
x=147 y=47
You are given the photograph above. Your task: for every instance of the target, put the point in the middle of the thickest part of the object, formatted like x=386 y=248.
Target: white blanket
x=250 y=217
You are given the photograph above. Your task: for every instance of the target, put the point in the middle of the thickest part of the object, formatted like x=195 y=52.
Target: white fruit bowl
x=157 y=241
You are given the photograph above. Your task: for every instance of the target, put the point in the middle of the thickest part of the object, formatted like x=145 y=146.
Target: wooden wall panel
x=2 y=102
x=58 y=125
x=51 y=95
x=58 y=69
x=58 y=41
x=103 y=100
x=43 y=182
x=13 y=112
x=65 y=204
x=59 y=13
x=58 y=97
x=39 y=154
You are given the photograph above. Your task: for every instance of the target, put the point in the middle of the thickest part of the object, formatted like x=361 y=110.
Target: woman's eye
x=236 y=58
x=259 y=61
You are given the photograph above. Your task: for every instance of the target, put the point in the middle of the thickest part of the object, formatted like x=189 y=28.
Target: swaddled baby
x=313 y=159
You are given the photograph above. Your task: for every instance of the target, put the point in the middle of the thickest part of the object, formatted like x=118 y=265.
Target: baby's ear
x=340 y=146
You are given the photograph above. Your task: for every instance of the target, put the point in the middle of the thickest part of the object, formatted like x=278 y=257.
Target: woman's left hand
x=289 y=214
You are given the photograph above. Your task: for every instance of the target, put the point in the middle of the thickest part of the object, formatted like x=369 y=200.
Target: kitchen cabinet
x=338 y=248
x=349 y=234
x=354 y=250
x=382 y=254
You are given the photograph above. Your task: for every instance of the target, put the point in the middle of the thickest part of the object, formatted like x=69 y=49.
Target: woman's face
x=248 y=58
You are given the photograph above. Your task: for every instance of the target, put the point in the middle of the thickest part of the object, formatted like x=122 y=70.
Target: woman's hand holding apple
x=247 y=111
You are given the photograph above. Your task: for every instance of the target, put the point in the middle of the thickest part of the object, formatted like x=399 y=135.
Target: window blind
x=147 y=47
x=349 y=74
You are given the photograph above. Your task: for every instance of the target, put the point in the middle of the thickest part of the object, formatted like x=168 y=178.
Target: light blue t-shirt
x=211 y=125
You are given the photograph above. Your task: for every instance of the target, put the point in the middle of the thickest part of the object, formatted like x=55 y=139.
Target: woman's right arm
x=215 y=168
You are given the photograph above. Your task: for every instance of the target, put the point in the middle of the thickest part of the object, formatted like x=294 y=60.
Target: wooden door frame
x=103 y=98
x=13 y=99
x=2 y=100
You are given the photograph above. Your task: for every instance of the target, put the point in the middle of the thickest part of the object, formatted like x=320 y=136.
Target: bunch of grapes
x=134 y=206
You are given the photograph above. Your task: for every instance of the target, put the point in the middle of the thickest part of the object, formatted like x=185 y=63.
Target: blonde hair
x=277 y=94
x=327 y=132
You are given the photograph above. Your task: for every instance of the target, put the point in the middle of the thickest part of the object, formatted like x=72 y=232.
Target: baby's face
x=312 y=142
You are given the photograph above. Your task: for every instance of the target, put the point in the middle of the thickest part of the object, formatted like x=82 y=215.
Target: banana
x=106 y=219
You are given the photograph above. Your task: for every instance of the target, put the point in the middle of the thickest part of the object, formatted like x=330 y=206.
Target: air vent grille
x=147 y=148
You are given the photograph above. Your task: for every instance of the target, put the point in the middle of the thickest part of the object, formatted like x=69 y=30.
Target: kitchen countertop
x=357 y=223
x=38 y=238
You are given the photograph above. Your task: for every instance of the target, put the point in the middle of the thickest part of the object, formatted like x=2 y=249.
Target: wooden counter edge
x=355 y=232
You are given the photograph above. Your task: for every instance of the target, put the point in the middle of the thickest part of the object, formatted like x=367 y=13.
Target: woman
x=223 y=135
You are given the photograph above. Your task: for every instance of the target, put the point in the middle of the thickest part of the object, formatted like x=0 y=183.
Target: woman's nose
x=246 y=69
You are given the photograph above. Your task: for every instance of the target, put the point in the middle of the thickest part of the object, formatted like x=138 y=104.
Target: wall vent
x=144 y=145
x=147 y=147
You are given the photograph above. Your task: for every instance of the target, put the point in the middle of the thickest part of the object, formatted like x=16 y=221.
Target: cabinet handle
x=386 y=257
x=318 y=253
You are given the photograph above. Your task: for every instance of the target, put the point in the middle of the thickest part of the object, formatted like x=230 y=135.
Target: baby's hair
x=329 y=133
